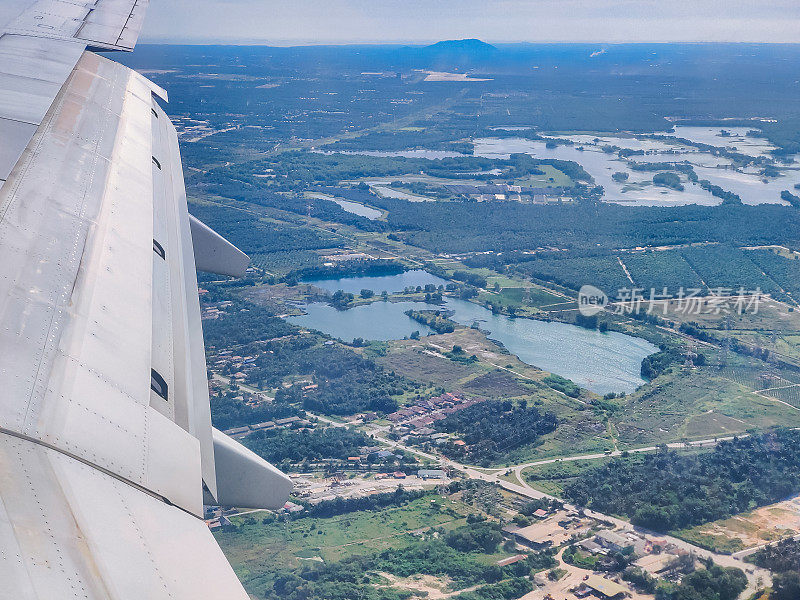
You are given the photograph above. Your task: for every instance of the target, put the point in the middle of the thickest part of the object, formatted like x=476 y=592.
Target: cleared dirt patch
x=433 y=587
x=753 y=528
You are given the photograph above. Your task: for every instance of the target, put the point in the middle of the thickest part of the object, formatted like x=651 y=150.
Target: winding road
x=757 y=577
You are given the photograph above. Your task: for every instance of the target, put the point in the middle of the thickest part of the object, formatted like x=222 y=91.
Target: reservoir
x=355 y=208
x=600 y=362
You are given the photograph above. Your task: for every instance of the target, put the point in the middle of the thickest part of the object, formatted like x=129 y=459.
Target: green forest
x=492 y=428
x=668 y=491
x=711 y=583
x=293 y=446
x=347 y=383
x=783 y=559
x=227 y=411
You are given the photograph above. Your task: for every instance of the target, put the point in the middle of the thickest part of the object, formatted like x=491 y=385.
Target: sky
x=295 y=22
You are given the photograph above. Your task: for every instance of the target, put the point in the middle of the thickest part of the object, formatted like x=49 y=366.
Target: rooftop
x=431 y=473
x=606 y=587
x=612 y=537
x=511 y=560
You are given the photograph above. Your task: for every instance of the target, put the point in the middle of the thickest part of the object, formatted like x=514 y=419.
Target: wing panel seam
x=133 y=484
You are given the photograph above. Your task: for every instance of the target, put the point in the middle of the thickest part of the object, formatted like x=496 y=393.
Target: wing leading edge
x=40 y=43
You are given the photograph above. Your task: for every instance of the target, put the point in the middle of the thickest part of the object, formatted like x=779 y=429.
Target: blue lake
x=356 y=208
x=601 y=362
x=377 y=321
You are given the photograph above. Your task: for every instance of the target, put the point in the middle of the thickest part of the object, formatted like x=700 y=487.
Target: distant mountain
x=469 y=47
x=456 y=55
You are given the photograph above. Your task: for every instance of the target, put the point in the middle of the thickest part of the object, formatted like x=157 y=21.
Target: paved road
x=756 y=577
x=754 y=549
x=517 y=469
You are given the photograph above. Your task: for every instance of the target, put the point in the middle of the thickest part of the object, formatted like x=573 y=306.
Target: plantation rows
x=755 y=380
x=661 y=269
x=603 y=272
x=783 y=271
x=712 y=267
x=728 y=267
x=790 y=395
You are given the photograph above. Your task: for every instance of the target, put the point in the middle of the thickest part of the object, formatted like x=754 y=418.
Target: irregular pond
x=601 y=362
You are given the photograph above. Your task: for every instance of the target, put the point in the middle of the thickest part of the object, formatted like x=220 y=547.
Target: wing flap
x=100 y=24
x=114 y=24
x=245 y=479
x=178 y=351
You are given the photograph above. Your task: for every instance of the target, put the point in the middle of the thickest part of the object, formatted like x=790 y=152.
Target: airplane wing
x=107 y=453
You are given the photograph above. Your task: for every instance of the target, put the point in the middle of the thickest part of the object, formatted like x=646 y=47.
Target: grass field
x=256 y=550
x=712 y=541
x=418 y=358
x=527 y=300
x=552 y=177
x=552 y=478
x=696 y=404
x=770 y=316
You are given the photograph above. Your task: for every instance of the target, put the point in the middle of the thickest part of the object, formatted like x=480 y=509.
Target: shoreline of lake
x=602 y=362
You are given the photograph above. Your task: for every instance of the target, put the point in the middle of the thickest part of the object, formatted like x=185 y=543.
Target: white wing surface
x=106 y=445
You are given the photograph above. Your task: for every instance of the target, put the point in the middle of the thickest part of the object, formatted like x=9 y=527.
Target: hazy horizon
x=423 y=43
x=338 y=22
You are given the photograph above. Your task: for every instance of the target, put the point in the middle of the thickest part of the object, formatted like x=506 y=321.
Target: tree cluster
x=667 y=490
x=492 y=428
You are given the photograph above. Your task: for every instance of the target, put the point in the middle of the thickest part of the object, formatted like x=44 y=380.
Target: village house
x=601 y=587
x=431 y=474
x=612 y=541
